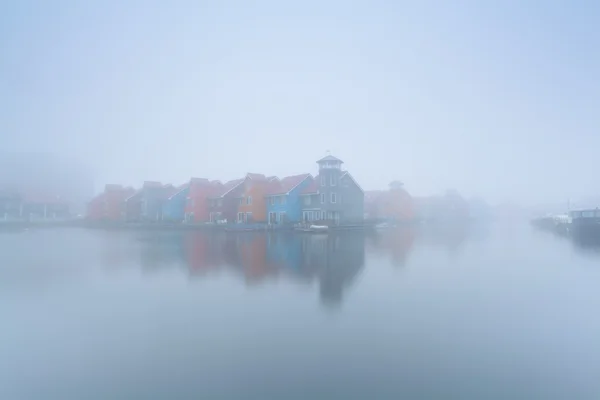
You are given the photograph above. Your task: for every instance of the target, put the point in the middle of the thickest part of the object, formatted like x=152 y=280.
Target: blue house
x=284 y=203
x=173 y=209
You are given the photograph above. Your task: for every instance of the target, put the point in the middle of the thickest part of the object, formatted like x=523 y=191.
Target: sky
x=494 y=99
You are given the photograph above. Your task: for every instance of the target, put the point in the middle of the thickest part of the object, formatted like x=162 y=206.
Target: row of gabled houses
x=332 y=196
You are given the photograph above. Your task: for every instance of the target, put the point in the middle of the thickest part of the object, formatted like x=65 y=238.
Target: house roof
x=228 y=187
x=286 y=184
x=329 y=158
x=199 y=181
x=312 y=187
x=353 y=180
x=136 y=192
x=178 y=190
x=256 y=177
x=151 y=184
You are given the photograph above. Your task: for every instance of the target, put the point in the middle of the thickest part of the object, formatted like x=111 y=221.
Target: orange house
x=395 y=204
x=252 y=204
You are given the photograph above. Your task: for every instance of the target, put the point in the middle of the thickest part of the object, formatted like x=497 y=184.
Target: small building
x=223 y=202
x=146 y=204
x=394 y=204
x=197 y=209
x=284 y=203
x=110 y=204
x=252 y=206
x=173 y=209
x=334 y=196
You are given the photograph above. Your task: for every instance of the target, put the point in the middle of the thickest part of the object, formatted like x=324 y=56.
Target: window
x=322 y=214
x=248 y=217
x=322 y=198
x=240 y=217
x=332 y=181
x=323 y=180
x=307 y=200
x=272 y=201
x=281 y=217
x=249 y=200
x=283 y=200
x=333 y=198
x=240 y=201
x=277 y=200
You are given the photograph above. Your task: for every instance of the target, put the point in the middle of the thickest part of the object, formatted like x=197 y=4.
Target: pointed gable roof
x=199 y=181
x=346 y=173
x=228 y=187
x=287 y=184
x=256 y=177
x=313 y=187
x=178 y=190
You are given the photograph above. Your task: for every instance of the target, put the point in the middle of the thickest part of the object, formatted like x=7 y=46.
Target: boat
x=312 y=228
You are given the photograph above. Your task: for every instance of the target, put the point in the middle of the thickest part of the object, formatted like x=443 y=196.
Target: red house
x=110 y=204
x=197 y=208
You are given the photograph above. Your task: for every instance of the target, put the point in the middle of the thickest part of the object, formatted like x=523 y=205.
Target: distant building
x=394 y=204
x=110 y=204
x=334 y=196
x=146 y=204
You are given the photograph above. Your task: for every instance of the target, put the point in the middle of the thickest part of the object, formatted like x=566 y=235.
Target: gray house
x=334 y=196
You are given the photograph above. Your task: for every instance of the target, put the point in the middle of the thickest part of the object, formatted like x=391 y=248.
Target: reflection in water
x=333 y=260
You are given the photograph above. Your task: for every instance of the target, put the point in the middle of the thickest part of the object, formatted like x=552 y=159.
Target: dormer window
x=332 y=180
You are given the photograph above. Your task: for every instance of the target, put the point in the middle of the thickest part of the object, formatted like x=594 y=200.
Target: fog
x=492 y=99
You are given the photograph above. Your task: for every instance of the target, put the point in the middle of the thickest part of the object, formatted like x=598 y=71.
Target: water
x=480 y=313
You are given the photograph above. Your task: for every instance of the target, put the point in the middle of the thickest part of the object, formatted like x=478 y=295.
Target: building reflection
x=332 y=261
x=398 y=243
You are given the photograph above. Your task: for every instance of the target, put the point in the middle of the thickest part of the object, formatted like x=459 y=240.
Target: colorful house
x=110 y=204
x=146 y=203
x=96 y=208
x=252 y=206
x=334 y=196
x=197 y=209
x=395 y=204
x=223 y=202
x=284 y=203
x=173 y=209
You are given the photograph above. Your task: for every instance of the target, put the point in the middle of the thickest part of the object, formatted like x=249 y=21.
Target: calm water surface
x=497 y=312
